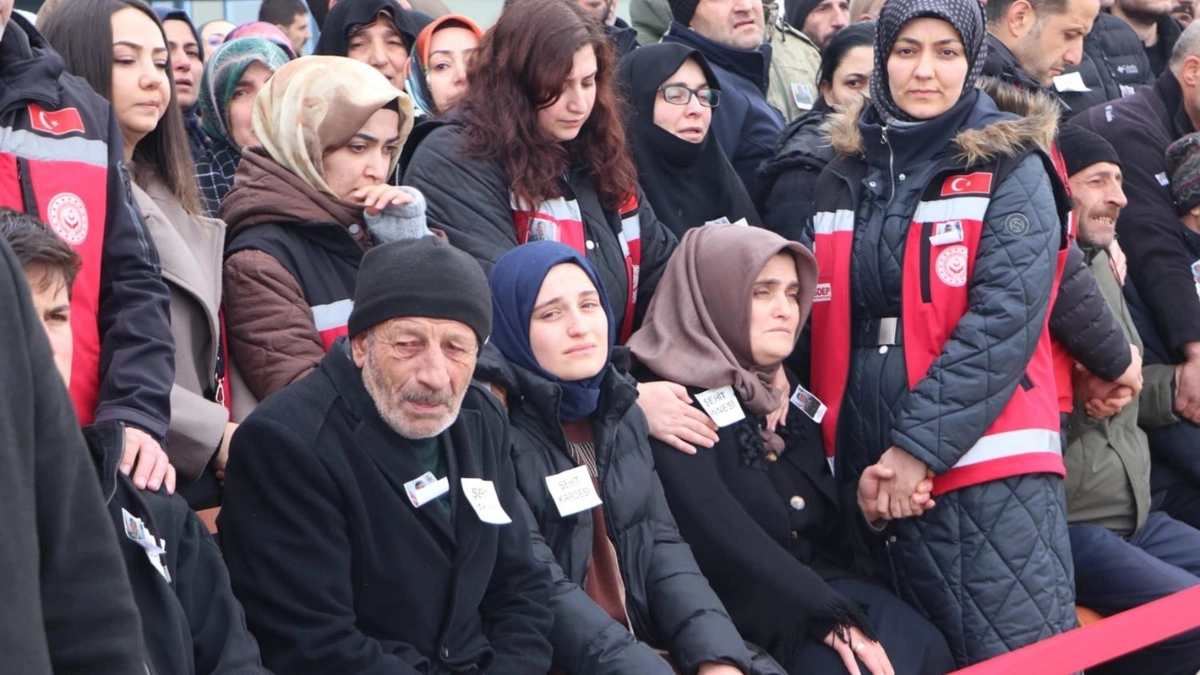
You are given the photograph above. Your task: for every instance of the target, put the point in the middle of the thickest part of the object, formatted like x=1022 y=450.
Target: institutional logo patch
x=951 y=266
x=67 y=215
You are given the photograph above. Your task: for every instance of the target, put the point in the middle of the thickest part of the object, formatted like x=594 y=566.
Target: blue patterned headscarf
x=966 y=16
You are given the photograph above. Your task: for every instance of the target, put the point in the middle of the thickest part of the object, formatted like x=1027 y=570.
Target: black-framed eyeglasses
x=677 y=94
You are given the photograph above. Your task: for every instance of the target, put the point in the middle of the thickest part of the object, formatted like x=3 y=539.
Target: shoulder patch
x=979 y=183
x=55 y=122
x=1016 y=224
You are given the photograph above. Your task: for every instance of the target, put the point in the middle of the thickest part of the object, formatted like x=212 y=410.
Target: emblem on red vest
x=823 y=293
x=971 y=184
x=57 y=122
x=951 y=266
x=67 y=216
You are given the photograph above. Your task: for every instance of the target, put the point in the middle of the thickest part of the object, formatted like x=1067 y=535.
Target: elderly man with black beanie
x=730 y=35
x=819 y=19
x=1126 y=553
x=371 y=521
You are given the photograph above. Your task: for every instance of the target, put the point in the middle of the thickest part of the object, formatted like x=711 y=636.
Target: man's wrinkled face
x=417 y=370
x=1099 y=199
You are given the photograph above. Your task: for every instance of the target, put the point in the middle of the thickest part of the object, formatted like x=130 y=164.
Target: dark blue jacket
x=745 y=125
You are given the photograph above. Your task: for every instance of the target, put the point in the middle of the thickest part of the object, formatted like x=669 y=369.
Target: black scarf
x=688 y=184
x=335 y=31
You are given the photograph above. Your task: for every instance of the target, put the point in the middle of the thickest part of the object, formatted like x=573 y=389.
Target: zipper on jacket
x=926 y=253
x=28 y=198
x=891 y=168
x=601 y=473
x=1026 y=383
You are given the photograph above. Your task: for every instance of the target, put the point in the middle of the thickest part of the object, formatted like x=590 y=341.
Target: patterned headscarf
x=316 y=104
x=965 y=15
x=225 y=67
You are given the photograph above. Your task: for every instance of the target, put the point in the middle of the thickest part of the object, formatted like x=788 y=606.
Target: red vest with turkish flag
x=939 y=261
x=54 y=165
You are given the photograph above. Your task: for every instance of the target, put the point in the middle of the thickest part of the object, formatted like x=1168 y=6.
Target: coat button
x=901 y=176
x=795 y=534
x=883 y=349
x=872 y=183
x=771 y=456
x=590 y=244
x=797 y=502
x=355 y=229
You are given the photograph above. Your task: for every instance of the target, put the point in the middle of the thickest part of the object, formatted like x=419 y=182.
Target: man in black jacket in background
x=1140 y=128
x=371 y=519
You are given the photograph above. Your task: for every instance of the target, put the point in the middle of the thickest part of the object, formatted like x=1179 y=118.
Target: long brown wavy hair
x=521 y=67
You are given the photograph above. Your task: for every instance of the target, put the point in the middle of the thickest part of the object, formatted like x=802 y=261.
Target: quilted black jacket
x=947 y=412
x=788 y=179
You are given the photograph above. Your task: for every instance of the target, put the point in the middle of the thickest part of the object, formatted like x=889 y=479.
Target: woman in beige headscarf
x=782 y=543
x=330 y=130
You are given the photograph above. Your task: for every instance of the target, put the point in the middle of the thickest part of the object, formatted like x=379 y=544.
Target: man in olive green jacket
x=795 y=58
x=1126 y=554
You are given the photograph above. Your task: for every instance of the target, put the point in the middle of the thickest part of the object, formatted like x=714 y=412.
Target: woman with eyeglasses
x=686 y=176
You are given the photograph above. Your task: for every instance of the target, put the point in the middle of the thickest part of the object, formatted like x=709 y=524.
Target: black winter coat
x=788 y=180
x=946 y=412
x=669 y=602
x=336 y=569
x=68 y=609
x=469 y=200
x=192 y=623
x=1140 y=128
x=1114 y=64
x=768 y=531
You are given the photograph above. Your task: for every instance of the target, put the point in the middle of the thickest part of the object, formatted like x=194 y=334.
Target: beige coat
x=795 y=64
x=190 y=249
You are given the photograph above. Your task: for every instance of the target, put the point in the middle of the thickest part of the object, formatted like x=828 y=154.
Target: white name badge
x=947 y=233
x=808 y=404
x=721 y=405
x=573 y=491
x=1070 y=82
x=425 y=489
x=481 y=495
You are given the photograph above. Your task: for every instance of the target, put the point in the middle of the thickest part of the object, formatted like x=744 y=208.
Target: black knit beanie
x=1183 y=169
x=424 y=278
x=965 y=15
x=683 y=10
x=798 y=11
x=1082 y=148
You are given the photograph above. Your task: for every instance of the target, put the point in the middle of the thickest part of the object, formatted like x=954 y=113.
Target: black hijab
x=335 y=31
x=688 y=184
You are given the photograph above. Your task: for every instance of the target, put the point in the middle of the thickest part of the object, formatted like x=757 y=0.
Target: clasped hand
x=897 y=486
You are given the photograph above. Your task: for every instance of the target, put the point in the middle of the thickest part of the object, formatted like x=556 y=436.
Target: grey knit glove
x=398 y=223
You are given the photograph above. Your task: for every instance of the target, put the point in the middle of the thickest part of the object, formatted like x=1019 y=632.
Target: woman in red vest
x=940 y=233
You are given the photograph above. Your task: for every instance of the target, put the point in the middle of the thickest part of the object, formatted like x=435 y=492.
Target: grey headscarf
x=965 y=15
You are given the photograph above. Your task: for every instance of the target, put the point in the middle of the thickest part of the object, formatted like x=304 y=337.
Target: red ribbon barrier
x=1103 y=641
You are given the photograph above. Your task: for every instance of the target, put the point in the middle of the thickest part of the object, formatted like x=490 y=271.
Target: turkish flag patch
x=56 y=122
x=971 y=184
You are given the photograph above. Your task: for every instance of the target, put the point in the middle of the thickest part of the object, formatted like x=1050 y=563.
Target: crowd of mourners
x=836 y=337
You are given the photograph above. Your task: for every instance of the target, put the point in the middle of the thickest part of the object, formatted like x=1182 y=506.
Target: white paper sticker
x=1070 y=82
x=719 y=221
x=425 y=489
x=808 y=404
x=1126 y=90
x=721 y=405
x=573 y=491
x=947 y=233
x=157 y=562
x=481 y=495
x=136 y=530
x=1162 y=179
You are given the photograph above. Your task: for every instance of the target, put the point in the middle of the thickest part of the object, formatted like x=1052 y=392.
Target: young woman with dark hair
x=120 y=48
x=787 y=180
x=536 y=151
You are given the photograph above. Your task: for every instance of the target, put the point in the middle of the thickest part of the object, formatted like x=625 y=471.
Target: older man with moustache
x=371 y=521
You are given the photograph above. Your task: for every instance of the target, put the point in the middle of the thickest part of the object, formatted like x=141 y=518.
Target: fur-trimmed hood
x=1036 y=125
